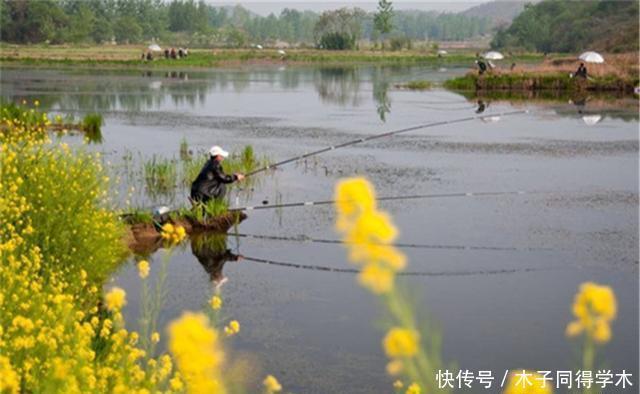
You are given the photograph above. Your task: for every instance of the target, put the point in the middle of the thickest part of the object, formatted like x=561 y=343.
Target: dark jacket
x=211 y=181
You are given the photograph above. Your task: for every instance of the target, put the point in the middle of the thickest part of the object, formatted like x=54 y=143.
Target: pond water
x=497 y=273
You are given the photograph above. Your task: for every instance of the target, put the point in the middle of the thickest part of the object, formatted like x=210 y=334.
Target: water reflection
x=345 y=86
x=210 y=249
x=380 y=82
x=338 y=85
x=590 y=107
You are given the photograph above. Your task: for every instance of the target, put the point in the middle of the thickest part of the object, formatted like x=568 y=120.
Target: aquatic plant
x=138 y=216
x=185 y=154
x=92 y=127
x=417 y=85
x=160 y=175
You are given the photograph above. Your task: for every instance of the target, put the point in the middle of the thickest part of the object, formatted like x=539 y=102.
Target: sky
x=264 y=7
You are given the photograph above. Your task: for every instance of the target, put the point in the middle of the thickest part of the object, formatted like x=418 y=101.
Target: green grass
x=417 y=85
x=200 y=212
x=539 y=81
x=221 y=57
x=160 y=175
x=92 y=127
x=138 y=216
x=184 y=150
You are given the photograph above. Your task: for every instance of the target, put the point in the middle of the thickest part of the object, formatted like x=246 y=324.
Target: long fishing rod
x=397 y=245
x=377 y=136
x=416 y=273
x=389 y=198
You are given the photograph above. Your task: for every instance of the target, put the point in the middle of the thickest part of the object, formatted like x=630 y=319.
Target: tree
x=127 y=30
x=382 y=20
x=339 y=26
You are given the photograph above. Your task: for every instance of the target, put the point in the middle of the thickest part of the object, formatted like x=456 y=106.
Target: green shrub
x=337 y=41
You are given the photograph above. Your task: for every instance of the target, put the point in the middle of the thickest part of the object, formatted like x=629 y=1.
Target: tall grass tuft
x=160 y=175
x=92 y=127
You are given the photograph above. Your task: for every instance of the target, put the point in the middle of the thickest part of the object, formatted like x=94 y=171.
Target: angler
x=211 y=182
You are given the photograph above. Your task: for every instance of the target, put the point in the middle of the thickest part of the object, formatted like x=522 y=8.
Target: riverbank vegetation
x=618 y=74
x=422 y=84
x=129 y=57
x=60 y=240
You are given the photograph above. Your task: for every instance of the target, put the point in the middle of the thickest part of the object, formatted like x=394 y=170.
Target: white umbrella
x=591 y=120
x=493 y=55
x=155 y=48
x=591 y=57
x=281 y=52
x=259 y=46
x=442 y=52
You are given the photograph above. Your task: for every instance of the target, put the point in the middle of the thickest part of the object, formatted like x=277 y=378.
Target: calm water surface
x=499 y=272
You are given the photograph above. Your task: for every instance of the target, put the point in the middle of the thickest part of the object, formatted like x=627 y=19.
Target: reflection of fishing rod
x=391 y=198
x=397 y=245
x=377 y=136
x=418 y=273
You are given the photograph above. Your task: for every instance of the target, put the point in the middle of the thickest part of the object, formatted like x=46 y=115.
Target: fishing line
x=325 y=268
x=397 y=245
x=377 y=136
x=390 y=198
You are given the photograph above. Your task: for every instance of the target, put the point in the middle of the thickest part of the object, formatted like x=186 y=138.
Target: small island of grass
x=619 y=74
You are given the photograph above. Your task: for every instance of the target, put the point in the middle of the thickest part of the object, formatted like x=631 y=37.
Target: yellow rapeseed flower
x=197 y=352
x=155 y=337
x=216 y=302
x=376 y=278
x=9 y=380
x=143 y=268
x=232 y=328
x=527 y=382
x=594 y=307
x=401 y=342
x=414 y=388
x=394 y=367
x=115 y=299
x=398 y=385
x=173 y=235
x=271 y=384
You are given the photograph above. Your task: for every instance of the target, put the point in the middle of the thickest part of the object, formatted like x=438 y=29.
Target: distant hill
x=499 y=12
x=573 y=26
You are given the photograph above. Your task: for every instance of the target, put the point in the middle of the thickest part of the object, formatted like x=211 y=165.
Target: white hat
x=216 y=150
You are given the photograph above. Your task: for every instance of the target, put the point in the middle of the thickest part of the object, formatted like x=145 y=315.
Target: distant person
x=149 y=56
x=144 y=56
x=481 y=107
x=482 y=66
x=211 y=181
x=166 y=53
x=513 y=66
x=180 y=53
x=173 y=53
x=581 y=72
x=186 y=52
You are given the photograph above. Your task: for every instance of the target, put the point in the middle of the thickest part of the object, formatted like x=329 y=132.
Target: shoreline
x=129 y=57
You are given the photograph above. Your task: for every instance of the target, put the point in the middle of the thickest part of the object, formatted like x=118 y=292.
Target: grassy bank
x=535 y=81
x=618 y=74
x=60 y=241
x=130 y=56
